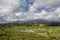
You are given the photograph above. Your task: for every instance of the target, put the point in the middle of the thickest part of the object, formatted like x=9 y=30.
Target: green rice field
x=30 y=33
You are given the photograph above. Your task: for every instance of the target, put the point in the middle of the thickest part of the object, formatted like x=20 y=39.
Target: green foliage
x=33 y=32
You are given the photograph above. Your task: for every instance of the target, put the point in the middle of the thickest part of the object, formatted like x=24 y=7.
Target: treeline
x=53 y=24
x=9 y=25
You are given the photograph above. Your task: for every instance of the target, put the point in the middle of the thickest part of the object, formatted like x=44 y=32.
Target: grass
x=31 y=33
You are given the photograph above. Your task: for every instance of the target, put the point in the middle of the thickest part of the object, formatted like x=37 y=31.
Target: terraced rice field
x=31 y=33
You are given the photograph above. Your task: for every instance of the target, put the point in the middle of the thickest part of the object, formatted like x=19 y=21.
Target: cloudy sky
x=24 y=10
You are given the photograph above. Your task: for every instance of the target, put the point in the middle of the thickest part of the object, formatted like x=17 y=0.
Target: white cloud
x=45 y=4
x=7 y=6
x=32 y=16
x=12 y=11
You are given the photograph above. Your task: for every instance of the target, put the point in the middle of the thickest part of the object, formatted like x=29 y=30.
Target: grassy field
x=30 y=33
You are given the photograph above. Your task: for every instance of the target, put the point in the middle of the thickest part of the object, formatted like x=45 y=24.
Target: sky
x=24 y=10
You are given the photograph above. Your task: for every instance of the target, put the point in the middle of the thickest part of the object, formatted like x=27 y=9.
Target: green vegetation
x=33 y=32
